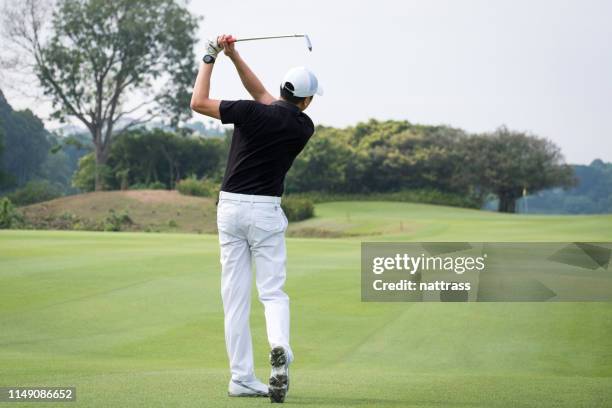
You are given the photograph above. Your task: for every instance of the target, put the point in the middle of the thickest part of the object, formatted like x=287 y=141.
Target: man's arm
x=200 y=102
x=250 y=81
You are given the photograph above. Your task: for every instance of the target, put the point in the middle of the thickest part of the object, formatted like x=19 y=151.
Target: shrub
x=432 y=196
x=200 y=188
x=156 y=185
x=297 y=209
x=116 y=222
x=84 y=178
x=63 y=221
x=9 y=217
x=34 y=191
x=424 y=196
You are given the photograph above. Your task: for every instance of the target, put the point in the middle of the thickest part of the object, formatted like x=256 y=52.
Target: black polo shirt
x=267 y=138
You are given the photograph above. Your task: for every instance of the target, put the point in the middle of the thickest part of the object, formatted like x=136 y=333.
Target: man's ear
x=304 y=104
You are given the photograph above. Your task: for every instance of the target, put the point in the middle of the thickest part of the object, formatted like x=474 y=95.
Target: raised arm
x=200 y=102
x=250 y=81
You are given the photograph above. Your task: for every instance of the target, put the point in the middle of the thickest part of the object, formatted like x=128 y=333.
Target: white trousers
x=252 y=231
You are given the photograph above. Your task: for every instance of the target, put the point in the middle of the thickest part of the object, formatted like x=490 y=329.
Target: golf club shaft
x=269 y=38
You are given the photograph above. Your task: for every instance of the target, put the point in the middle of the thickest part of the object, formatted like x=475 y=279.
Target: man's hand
x=253 y=85
x=213 y=48
x=227 y=43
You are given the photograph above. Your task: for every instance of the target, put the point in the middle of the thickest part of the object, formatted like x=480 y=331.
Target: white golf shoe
x=253 y=388
x=279 y=378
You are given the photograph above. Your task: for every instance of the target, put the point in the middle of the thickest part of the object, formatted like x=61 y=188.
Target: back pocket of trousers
x=270 y=223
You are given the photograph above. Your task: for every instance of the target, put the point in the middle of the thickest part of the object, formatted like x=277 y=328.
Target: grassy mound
x=148 y=210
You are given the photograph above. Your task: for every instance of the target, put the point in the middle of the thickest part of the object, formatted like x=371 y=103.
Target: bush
x=297 y=209
x=9 y=217
x=200 y=188
x=423 y=196
x=84 y=178
x=116 y=222
x=156 y=185
x=65 y=221
x=34 y=192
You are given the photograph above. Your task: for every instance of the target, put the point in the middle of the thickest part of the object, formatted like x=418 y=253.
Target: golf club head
x=308 y=43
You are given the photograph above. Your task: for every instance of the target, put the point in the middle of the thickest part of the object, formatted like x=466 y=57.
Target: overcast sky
x=543 y=66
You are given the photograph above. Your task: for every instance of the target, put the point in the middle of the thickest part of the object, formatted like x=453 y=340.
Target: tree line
x=394 y=155
x=372 y=157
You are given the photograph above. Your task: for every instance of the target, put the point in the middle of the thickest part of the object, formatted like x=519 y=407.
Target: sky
x=541 y=66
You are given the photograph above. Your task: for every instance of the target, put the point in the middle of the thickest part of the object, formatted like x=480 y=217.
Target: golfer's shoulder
x=240 y=104
x=240 y=111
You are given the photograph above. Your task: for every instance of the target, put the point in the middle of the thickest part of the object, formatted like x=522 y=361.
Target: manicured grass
x=135 y=320
x=422 y=222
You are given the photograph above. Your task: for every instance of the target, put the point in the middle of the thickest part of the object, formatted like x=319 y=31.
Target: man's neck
x=287 y=104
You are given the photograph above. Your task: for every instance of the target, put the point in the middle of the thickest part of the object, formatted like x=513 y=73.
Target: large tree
x=509 y=164
x=110 y=64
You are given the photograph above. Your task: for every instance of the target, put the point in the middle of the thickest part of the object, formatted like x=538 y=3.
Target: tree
x=507 y=163
x=84 y=178
x=25 y=144
x=97 y=57
x=4 y=179
x=322 y=166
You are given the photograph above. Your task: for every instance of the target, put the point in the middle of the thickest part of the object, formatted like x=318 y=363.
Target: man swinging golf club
x=268 y=134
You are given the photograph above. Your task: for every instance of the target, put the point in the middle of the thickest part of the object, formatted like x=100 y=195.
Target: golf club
x=308 y=43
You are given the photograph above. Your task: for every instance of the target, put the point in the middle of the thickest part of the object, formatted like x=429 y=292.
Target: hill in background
x=148 y=210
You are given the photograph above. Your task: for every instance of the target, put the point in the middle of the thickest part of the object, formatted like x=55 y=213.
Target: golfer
x=268 y=134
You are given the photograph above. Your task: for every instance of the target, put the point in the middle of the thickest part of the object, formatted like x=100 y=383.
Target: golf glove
x=213 y=48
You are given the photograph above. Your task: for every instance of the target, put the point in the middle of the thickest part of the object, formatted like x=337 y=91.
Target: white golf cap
x=303 y=81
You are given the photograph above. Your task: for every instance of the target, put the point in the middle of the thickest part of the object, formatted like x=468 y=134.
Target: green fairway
x=421 y=222
x=135 y=320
